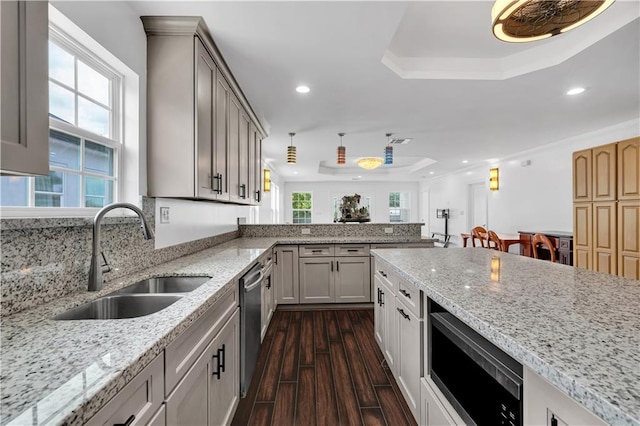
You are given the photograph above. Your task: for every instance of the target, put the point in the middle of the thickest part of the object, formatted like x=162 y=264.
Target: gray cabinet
x=233 y=129
x=317 y=280
x=220 y=161
x=408 y=365
x=24 y=104
x=267 y=298
x=353 y=279
x=286 y=275
x=435 y=409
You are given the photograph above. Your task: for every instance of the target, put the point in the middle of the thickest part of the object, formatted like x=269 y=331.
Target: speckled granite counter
x=578 y=329
x=63 y=371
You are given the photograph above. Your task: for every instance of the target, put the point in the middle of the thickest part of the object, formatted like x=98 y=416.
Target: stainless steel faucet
x=97 y=267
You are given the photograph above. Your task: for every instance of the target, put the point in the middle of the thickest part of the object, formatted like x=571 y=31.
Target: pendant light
x=388 y=151
x=291 y=151
x=370 y=163
x=342 y=152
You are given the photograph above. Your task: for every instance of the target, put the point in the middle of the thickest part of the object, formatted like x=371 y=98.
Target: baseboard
x=324 y=306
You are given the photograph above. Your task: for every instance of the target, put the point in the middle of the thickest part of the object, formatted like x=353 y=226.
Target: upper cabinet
x=199 y=122
x=604 y=173
x=582 y=176
x=24 y=104
x=629 y=169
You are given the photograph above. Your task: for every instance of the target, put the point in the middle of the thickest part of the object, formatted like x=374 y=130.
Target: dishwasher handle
x=249 y=286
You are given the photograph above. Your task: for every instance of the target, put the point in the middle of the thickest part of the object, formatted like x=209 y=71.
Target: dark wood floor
x=322 y=368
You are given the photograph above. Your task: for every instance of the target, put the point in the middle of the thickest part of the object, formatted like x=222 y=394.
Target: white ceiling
x=457 y=100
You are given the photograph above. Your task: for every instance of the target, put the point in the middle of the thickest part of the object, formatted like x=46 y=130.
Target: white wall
x=323 y=193
x=533 y=198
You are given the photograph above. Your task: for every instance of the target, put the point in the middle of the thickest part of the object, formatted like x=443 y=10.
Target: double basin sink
x=142 y=298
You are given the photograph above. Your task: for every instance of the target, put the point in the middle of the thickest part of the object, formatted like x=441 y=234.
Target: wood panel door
x=604 y=172
x=582 y=180
x=205 y=102
x=629 y=169
x=188 y=403
x=629 y=239
x=317 y=280
x=286 y=275
x=224 y=373
x=582 y=235
x=243 y=158
x=233 y=148
x=221 y=165
x=353 y=279
x=605 y=236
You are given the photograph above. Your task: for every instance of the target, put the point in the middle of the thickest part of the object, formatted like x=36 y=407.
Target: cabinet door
x=243 y=158
x=267 y=304
x=432 y=411
x=604 y=173
x=317 y=280
x=605 y=236
x=286 y=275
x=205 y=102
x=390 y=334
x=409 y=356
x=224 y=373
x=188 y=403
x=629 y=169
x=582 y=176
x=379 y=311
x=252 y=196
x=24 y=104
x=258 y=167
x=629 y=239
x=221 y=138
x=353 y=279
x=582 y=235
x=233 y=147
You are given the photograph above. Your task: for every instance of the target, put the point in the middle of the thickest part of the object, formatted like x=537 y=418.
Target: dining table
x=506 y=240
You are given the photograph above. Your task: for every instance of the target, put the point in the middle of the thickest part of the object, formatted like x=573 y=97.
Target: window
x=86 y=86
x=398 y=207
x=301 y=207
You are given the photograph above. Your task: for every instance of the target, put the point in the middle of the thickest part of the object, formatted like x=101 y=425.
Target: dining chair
x=480 y=233
x=492 y=238
x=543 y=240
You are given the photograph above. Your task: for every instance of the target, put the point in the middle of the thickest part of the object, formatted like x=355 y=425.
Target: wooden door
x=286 y=275
x=24 y=104
x=629 y=239
x=243 y=158
x=379 y=311
x=604 y=172
x=353 y=279
x=582 y=235
x=205 y=102
x=221 y=167
x=409 y=356
x=224 y=373
x=605 y=237
x=188 y=403
x=582 y=172
x=317 y=280
x=629 y=169
x=233 y=148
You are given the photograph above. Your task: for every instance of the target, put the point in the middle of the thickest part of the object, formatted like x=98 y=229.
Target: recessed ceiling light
x=465 y=161
x=295 y=173
x=468 y=173
x=575 y=91
x=431 y=173
x=303 y=89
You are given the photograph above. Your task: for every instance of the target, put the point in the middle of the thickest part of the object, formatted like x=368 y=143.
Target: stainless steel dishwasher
x=250 y=323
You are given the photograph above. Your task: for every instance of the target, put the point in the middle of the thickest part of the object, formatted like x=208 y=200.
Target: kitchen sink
x=165 y=285
x=120 y=306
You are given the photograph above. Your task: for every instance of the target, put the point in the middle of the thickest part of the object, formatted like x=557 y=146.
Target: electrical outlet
x=388 y=230
x=164 y=215
x=306 y=231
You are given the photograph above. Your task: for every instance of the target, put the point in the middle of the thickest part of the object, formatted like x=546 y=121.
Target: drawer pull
x=554 y=421
x=405 y=293
x=332 y=266
x=352 y=250
x=381 y=298
x=383 y=274
x=128 y=422
x=404 y=314
x=316 y=251
x=219 y=357
x=338 y=265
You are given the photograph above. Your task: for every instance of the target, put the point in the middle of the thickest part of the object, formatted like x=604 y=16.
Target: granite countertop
x=65 y=371
x=578 y=329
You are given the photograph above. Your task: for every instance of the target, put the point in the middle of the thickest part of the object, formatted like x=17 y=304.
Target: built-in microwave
x=482 y=383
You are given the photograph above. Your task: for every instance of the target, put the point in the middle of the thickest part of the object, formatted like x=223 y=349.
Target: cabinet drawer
x=565 y=243
x=183 y=351
x=352 y=250
x=316 y=250
x=388 y=278
x=142 y=398
x=410 y=296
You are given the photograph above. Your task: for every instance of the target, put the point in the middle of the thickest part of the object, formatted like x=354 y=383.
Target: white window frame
x=125 y=127
x=407 y=209
x=302 y=210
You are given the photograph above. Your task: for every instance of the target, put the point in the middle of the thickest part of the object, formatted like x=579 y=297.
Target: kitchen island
x=579 y=330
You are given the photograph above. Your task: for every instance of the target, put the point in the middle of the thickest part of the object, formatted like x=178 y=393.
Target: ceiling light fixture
x=530 y=20
x=388 y=150
x=465 y=161
x=575 y=91
x=291 y=151
x=342 y=151
x=303 y=89
x=370 y=163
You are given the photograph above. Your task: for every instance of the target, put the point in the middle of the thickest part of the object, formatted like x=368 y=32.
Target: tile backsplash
x=43 y=259
x=411 y=230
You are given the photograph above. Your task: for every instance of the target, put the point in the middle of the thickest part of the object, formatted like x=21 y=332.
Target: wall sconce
x=267 y=180
x=494 y=183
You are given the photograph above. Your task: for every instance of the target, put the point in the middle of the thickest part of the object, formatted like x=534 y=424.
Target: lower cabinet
x=334 y=279
x=208 y=394
x=378 y=310
x=435 y=410
x=286 y=275
x=317 y=280
x=267 y=300
x=409 y=360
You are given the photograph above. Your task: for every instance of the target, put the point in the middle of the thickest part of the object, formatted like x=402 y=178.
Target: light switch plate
x=164 y=215
x=306 y=231
x=388 y=230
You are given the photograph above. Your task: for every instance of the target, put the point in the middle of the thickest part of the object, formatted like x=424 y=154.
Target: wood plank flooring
x=322 y=368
